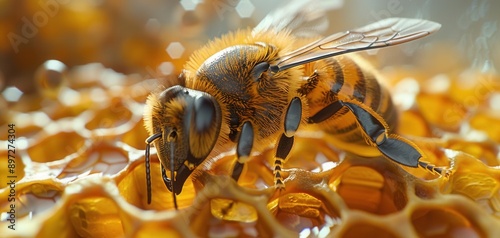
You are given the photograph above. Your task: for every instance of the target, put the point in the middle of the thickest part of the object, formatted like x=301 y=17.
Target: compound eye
x=259 y=69
x=204 y=114
x=205 y=125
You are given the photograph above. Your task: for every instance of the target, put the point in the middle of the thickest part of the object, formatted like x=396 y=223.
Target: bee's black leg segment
x=166 y=180
x=284 y=146
x=325 y=113
x=392 y=146
x=400 y=151
x=245 y=142
x=293 y=116
x=168 y=183
x=243 y=148
x=237 y=169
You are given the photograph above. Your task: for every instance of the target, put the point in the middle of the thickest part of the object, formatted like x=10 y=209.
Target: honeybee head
x=184 y=126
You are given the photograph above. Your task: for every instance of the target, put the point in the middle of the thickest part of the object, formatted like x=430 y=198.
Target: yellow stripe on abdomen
x=347 y=78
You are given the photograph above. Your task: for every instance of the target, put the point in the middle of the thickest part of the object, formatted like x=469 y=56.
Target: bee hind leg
x=394 y=147
x=445 y=172
x=376 y=132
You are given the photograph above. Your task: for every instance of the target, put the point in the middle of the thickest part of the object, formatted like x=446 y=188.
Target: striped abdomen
x=345 y=78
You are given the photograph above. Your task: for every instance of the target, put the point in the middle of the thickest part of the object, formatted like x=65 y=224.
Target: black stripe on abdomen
x=339 y=76
x=360 y=86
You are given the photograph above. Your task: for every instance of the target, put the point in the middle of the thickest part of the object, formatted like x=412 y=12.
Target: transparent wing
x=302 y=18
x=387 y=32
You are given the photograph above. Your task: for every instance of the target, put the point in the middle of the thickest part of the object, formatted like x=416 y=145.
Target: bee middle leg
x=293 y=119
x=244 y=146
x=243 y=149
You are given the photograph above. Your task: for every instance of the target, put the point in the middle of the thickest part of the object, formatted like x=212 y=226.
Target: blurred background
x=74 y=76
x=153 y=38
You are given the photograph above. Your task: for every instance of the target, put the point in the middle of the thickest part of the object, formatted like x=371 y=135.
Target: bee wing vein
x=387 y=32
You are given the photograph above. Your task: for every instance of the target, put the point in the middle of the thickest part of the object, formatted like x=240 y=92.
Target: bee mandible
x=251 y=89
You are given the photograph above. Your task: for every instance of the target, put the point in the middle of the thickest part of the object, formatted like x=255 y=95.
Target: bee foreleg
x=293 y=118
x=376 y=131
x=243 y=148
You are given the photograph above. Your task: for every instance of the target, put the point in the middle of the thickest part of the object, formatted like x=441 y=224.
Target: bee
x=254 y=88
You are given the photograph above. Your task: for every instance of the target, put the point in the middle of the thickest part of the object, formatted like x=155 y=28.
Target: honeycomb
x=79 y=157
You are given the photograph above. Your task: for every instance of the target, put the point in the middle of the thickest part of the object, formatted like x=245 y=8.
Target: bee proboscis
x=251 y=89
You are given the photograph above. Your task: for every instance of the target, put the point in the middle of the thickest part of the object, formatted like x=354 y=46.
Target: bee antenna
x=172 y=148
x=149 y=140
